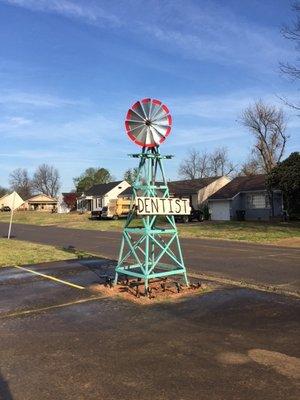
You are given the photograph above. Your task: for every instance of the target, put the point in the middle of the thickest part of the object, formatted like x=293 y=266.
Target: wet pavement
x=60 y=342
x=277 y=267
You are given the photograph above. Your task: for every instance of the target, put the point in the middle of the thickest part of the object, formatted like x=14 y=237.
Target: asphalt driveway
x=66 y=342
x=271 y=266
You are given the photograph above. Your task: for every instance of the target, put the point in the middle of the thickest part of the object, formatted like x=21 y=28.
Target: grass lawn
x=259 y=232
x=71 y=220
x=16 y=252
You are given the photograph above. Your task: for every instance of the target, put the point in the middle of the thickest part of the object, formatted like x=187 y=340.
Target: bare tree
x=219 y=163
x=130 y=175
x=20 y=182
x=195 y=165
x=292 y=33
x=46 y=180
x=268 y=125
x=252 y=166
x=3 y=191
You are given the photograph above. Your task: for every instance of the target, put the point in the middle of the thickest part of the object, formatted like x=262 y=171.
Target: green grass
x=16 y=252
x=259 y=232
x=71 y=220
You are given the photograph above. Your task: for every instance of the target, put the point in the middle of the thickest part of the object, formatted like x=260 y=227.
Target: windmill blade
x=141 y=136
x=137 y=114
x=156 y=110
x=157 y=136
x=146 y=104
x=137 y=107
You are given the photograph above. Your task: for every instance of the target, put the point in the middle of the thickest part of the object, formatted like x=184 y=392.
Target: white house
x=198 y=190
x=62 y=207
x=98 y=196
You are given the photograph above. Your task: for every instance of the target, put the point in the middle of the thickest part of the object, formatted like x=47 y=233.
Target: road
x=63 y=342
x=277 y=267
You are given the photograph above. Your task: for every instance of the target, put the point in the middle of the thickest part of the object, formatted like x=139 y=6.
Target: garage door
x=220 y=210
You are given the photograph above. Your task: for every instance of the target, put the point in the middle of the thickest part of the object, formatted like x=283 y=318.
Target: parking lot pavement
x=267 y=265
x=52 y=284
x=63 y=342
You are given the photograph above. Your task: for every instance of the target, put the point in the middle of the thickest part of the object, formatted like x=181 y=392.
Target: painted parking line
x=53 y=307
x=52 y=278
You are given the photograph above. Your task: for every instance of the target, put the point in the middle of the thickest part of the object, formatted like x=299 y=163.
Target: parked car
x=96 y=214
x=5 y=209
x=194 y=215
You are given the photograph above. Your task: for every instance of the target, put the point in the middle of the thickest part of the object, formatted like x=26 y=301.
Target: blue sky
x=70 y=69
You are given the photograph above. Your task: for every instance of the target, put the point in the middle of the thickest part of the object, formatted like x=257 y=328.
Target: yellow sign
x=162 y=206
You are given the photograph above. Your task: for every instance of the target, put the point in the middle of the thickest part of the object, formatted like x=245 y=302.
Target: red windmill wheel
x=148 y=122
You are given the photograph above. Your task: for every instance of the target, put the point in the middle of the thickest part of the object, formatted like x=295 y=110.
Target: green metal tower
x=147 y=250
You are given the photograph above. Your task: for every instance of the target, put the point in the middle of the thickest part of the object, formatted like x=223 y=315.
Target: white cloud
x=204 y=135
x=19 y=121
x=201 y=31
x=81 y=131
x=12 y=123
x=9 y=98
x=224 y=106
x=204 y=31
x=87 y=12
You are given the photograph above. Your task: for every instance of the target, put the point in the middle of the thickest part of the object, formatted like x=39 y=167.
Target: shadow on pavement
x=5 y=393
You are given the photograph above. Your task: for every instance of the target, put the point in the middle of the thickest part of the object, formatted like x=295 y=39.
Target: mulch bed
x=159 y=290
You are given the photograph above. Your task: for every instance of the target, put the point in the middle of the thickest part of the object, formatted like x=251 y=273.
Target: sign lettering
x=162 y=206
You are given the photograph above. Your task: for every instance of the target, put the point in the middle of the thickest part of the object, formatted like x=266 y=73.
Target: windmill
x=150 y=246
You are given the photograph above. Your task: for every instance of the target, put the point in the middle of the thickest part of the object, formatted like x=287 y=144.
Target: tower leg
x=116 y=278
x=120 y=258
x=181 y=260
x=186 y=279
x=146 y=285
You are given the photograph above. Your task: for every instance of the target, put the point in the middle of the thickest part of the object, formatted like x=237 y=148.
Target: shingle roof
x=240 y=184
x=127 y=192
x=184 y=187
x=191 y=186
x=101 y=188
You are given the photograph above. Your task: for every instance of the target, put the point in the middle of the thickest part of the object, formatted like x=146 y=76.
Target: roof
x=240 y=184
x=190 y=186
x=127 y=192
x=184 y=187
x=101 y=188
x=41 y=198
x=68 y=193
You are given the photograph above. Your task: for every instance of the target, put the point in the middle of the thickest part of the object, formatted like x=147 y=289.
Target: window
x=99 y=202
x=258 y=201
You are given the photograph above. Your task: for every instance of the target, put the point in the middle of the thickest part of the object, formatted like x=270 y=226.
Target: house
x=98 y=196
x=198 y=190
x=126 y=194
x=67 y=202
x=3 y=202
x=40 y=202
x=62 y=207
x=245 y=197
